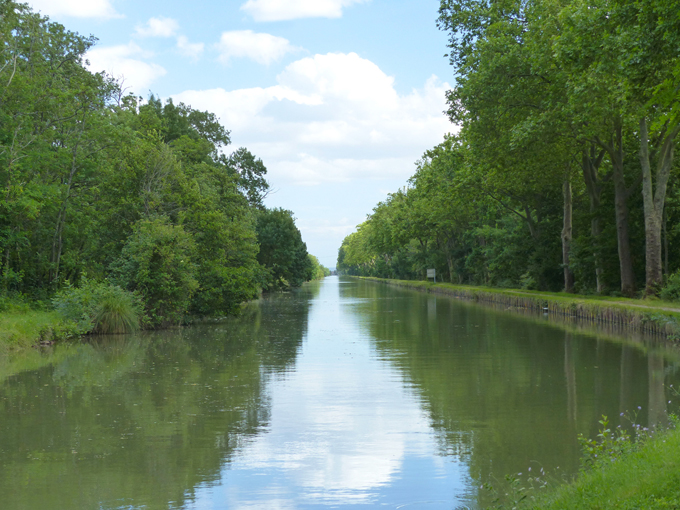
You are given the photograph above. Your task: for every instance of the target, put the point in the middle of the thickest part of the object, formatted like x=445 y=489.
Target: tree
x=282 y=251
x=250 y=172
x=158 y=262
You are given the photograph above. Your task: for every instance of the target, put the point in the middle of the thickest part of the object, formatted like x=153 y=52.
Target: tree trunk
x=590 y=165
x=450 y=242
x=665 y=243
x=449 y=261
x=57 y=239
x=567 y=235
x=654 y=201
x=596 y=232
x=625 y=258
x=621 y=194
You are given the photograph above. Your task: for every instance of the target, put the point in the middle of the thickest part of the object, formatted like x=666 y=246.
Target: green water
x=343 y=394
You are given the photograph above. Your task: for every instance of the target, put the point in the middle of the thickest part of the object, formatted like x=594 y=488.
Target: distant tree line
x=562 y=176
x=99 y=186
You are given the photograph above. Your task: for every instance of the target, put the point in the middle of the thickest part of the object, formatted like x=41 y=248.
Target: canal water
x=344 y=394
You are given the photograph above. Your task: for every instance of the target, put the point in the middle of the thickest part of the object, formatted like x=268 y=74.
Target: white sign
x=430 y=273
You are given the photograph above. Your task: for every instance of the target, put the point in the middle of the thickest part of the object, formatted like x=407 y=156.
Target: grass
x=117 y=313
x=559 y=296
x=647 y=478
x=22 y=328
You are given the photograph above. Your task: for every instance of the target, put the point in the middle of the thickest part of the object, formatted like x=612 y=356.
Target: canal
x=343 y=394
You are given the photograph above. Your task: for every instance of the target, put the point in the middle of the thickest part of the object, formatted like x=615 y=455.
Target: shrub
x=157 y=262
x=14 y=302
x=99 y=307
x=671 y=291
x=117 y=312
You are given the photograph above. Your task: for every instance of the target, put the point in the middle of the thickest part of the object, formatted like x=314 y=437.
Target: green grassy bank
x=653 y=317
x=23 y=327
x=646 y=478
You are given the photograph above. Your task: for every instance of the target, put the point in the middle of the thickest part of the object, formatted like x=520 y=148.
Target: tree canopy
x=562 y=175
x=108 y=186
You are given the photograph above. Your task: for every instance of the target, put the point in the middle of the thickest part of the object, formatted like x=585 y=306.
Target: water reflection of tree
x=504 y=393
x=142 y=421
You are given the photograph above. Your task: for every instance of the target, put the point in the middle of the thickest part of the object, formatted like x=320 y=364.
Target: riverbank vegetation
x=139 y=197
x=642 y=315
x=562 y=175
x=617 y=473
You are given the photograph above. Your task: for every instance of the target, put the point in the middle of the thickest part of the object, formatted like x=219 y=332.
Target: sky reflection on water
x=344 y=432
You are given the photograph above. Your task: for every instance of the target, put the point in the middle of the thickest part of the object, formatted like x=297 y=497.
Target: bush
x=14 y=303
x=99 y=307
x=671 y=291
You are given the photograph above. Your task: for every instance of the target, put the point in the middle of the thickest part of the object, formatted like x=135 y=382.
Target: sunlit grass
x=24 y=328
x=645 y=479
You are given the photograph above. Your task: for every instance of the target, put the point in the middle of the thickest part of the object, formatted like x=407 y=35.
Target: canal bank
x=647 y=477
x=23 y=327
x=654 y=318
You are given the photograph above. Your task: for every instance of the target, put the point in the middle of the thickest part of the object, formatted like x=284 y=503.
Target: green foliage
x=615 y=469
x=117 y=312
x=14 y=303
x=98 y=307
x=157 y=262
x=643 y=476
x=318 y=271
x=22 y=328
x=282 y=251
x=671 y=291
x=541 y=185
x=96 y=182
x=608 y=446
x=250 y=172
x=443 y=221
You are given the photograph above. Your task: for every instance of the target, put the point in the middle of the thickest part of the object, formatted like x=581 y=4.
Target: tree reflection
x=657 y=391
x=503 y=392
x=142 y=421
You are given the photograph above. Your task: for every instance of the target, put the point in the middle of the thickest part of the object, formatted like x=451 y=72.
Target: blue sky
x=338 y=97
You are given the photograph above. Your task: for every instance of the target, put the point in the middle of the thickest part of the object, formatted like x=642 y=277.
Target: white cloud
x=193 y=50
x=262 y=48
x=278 y=10
x=337 y=436
x=76 y=8
x=158 y=27
x=331 y=118
x=123 y=62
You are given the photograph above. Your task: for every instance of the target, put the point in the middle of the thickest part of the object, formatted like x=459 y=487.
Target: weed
x=607 y=445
